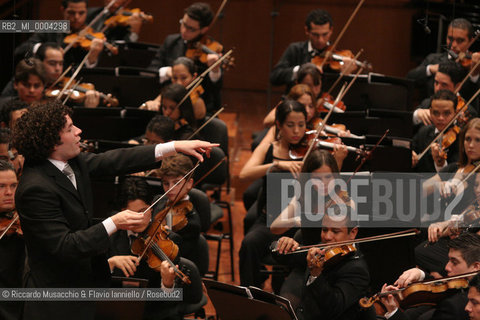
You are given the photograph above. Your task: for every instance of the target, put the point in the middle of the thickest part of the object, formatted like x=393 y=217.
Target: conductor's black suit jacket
x=64 y=248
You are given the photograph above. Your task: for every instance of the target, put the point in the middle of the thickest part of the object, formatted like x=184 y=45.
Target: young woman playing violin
x=167 y=104
x=183 y=73
x=290 y=129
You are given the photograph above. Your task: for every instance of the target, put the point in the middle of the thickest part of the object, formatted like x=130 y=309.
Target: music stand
x=131 y=86
x=375 y=91
x=130 y=54
x=254 y=303
x=128 y=310
x=113 y=124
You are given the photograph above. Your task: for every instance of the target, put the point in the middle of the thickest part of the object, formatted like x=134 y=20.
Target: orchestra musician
x=448 y=77
x=194 y=25
x=29 y=83
x=76 y=12
x=12 y=246
x=54 y=201
x=459 y=34
x=442 y=111
x=135 y=195
x=473 y=304
x=318 y=29
x=129 y=33
x=463 y=257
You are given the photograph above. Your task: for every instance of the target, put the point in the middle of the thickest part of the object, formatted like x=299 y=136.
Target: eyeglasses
x=189 y=29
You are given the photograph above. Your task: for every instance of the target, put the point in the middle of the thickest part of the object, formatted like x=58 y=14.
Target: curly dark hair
x=37 y=132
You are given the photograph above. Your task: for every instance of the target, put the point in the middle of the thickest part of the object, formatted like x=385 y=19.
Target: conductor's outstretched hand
x=194 y=148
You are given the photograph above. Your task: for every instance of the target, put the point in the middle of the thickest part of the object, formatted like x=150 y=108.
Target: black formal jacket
x=451 y=308
x=65 y=249
x=421 y=140
x=296 y=54
x=172 y=48
x=335 y=293
x=419 y=74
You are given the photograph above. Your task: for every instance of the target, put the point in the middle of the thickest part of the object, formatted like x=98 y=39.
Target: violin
x=84 y=40
x=78 y=93
x=196 y=93
x=10 y=224
x=161 y=248
x=122 y=18
x=448 y=139
x=334 y=255
x=327 y=102
x=335 y=59
x=178 y=215
x=200 y=49
x=299 y=150
x=422 y=293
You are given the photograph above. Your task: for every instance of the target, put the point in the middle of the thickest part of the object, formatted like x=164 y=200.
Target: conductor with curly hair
x=54 y=201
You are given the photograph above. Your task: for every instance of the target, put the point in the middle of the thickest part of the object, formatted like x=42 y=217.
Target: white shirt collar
x=58 y=163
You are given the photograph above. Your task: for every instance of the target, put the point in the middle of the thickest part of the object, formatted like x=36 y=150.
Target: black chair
x=215 y=180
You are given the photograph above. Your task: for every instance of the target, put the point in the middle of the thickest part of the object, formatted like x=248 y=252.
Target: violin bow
x=206 y=122
x=105 y=27
x=84 y=30
x=60 y=78
x=340 y=96
x=201 y=76
x=217 y=14
x=420 y=156
x=459 y=87
x=9 y=226
x=342 y=74
x=340 y=35
x=368 y=154
x=209 y=171
x=73 y=76
x=400 y=234
x=322 y=124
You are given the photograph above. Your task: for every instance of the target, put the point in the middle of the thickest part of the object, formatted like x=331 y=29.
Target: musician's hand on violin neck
x=409 y=276
x=437 y=230
x=168 y=274
x=414 y=159
x=315 y=261
x=92 y=99
x=439 y=156
x=211 y=59
x=95 y=50
x=135 y=22
x=128 y=264
x=389 y=300
x=348 y=66
x=286 y=244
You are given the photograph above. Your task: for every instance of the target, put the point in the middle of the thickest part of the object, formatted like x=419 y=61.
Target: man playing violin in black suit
x=194 y=25
x=55 y=203
x=76 y=12
x=463 y=257
x=318 y=28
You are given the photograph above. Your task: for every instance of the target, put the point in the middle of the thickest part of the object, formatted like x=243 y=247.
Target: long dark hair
x=176 y=92
x=284 y=109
